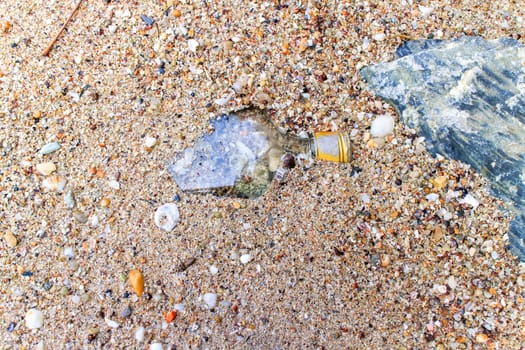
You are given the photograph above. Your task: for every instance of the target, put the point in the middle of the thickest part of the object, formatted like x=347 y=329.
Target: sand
x=375 y=254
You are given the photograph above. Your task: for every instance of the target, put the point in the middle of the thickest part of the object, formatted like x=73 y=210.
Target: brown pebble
x=136 y=281
x=104 y=202
x=10 y=239
x=481 y=338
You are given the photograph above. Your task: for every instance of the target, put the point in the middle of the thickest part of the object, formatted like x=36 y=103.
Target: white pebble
x=439 y=289
x=210 y=299
x=155 y=346
x=192 y=45
x=75 y=299
x=451 y=281
x=432 y=197
x=178 y=307
x=139 y=334
x=365 y=198
x=34 y=319
x=469 y=199
x=245 y=258
x=114 y=184
x=167 y=217
x=68 y=252
x=379 y=36
x=150 y=141
x=425 y=11
x=214 y=269
x=382 y=126
x=111 y=323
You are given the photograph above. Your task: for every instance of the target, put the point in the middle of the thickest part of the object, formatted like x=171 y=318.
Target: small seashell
x=46 y=168
x=167 y=216
x=50 y=148
x=34 y=319
x=54 y=183
x=136 y=281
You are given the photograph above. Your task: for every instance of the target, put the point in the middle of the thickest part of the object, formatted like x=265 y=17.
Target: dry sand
x=342 y=255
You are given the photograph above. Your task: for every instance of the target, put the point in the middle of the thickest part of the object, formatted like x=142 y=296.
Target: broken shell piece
x=54 y=183
x=167 y=216
x=46 y=168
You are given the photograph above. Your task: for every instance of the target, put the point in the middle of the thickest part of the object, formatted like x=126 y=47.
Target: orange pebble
x=170 y=316
x=136 y=281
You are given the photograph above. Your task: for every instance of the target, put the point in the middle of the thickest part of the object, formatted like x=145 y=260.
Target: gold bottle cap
x=333 y=146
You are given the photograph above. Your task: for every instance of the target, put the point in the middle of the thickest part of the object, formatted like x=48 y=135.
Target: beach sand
x=341 y=256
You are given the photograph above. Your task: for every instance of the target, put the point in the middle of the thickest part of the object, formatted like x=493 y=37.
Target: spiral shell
x=167 y=216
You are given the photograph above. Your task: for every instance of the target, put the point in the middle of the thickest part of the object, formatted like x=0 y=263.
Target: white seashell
x=167 y=216
x=54 y=183
x=34 y=319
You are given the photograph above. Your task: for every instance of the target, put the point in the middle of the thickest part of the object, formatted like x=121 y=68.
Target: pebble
x=469 y=199
x=136 y=281
x=139 y=334
x=114 y=184
x=382 y=126
x=50 y=148
x=111 y=323
x=432 y=197
x=126 y=312
x=149 y=142
x=68 y=252
x=214 y=270
x=69 y=200
x=167 y=216
x=34 y=319
x=192 y=45
x=155 y=346
x=46 y=168
x=245 y=258
x=10 y=238
x=210 y=299
x=451 y=281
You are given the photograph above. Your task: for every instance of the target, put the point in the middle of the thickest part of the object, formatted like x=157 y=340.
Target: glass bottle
x=245 y=150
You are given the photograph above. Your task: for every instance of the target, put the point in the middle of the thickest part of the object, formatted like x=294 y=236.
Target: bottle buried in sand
x=245 y=151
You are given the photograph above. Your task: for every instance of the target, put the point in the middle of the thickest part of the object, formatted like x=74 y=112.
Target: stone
x=466 y=96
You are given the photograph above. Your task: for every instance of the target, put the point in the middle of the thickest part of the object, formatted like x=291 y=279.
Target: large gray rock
x=467 y=98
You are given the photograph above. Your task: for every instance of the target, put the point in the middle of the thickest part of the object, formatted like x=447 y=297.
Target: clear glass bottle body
x=242 y=154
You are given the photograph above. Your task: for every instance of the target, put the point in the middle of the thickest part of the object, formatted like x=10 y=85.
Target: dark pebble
x=11 y=327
